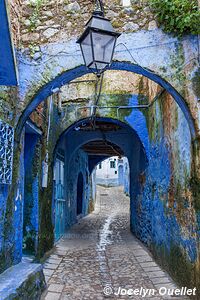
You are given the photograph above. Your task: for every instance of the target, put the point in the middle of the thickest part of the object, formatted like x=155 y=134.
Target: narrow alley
x=99 y=255
x=99 y=149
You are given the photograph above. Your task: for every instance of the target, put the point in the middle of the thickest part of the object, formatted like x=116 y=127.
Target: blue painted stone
x=7 y=64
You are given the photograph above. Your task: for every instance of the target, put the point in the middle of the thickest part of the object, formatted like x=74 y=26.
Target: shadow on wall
x=79 y=199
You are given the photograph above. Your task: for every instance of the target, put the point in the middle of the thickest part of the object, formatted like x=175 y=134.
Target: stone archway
x=77 y=72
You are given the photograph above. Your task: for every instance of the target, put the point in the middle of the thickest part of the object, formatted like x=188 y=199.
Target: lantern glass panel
x=103 y=46
x=86 y=46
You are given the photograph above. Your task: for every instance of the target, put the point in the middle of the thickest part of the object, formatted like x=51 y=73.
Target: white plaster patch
x=126 y=3
x=18 y=195
x=153 y=25
x=50 y=32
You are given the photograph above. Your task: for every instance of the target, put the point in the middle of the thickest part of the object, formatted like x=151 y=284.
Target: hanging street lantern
x=98 y=41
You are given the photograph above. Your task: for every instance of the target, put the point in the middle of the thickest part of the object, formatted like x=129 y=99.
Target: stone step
x=22 y=281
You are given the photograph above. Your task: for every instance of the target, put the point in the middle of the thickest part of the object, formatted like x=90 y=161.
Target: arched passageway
x=103 y=236
x=151 y=141
x=94 y=141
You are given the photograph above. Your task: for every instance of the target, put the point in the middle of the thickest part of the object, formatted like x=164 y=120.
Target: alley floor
x=99 y=258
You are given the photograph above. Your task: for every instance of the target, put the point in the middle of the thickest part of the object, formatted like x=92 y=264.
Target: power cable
x=108 y=144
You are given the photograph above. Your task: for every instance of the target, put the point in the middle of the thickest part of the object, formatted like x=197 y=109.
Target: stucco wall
x=171 y=59
x=78 y=163
x=106 y=175
x=31 y=193
x=165 y=214
x=126 y=177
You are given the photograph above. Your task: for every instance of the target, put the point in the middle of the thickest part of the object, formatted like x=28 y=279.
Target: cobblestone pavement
x=99 y=255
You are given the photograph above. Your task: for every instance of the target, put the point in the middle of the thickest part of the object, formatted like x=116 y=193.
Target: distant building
x=113 y=171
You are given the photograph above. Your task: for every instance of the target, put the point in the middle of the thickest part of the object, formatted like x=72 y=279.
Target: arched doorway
x=80 y=184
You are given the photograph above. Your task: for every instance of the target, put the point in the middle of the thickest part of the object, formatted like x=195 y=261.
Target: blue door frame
x=60 y=202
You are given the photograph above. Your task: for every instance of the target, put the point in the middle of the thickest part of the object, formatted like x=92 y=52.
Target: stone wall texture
x=50 y=22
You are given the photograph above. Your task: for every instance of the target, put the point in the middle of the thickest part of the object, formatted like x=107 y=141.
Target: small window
x=115 y=172
x=112 y=164
x=100 y=166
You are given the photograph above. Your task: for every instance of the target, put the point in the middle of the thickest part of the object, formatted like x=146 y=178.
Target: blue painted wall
x=126 y=179
x=162 y=209
x=31 y=195
x=18 y=211
x=76 y=164
x=7 y=64
x=3 y=197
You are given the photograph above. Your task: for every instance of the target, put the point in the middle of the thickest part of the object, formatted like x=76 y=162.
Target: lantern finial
x=99 y=9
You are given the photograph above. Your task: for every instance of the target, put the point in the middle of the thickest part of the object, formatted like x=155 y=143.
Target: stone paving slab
x=99 y=255
x=54 y=260
x=52 y=296
x=51 y=266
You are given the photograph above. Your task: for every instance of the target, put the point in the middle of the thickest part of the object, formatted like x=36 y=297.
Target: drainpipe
x=45 y=166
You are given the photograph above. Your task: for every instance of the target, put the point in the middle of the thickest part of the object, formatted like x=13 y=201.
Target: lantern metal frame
x=90 y=29
x=99 y=6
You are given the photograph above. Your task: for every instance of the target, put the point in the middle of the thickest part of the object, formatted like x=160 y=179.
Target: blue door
x=60 y=202
x=121 y=174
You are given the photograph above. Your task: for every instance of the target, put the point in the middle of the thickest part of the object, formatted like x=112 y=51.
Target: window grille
x=6 y=152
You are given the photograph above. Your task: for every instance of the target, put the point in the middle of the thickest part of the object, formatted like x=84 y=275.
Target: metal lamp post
x=98 y=41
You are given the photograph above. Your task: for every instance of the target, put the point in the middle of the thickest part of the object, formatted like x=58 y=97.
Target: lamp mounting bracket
x=99 y=9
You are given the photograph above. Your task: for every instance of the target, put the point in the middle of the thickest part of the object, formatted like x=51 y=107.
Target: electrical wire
x=109 y=145
x=148 y=70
